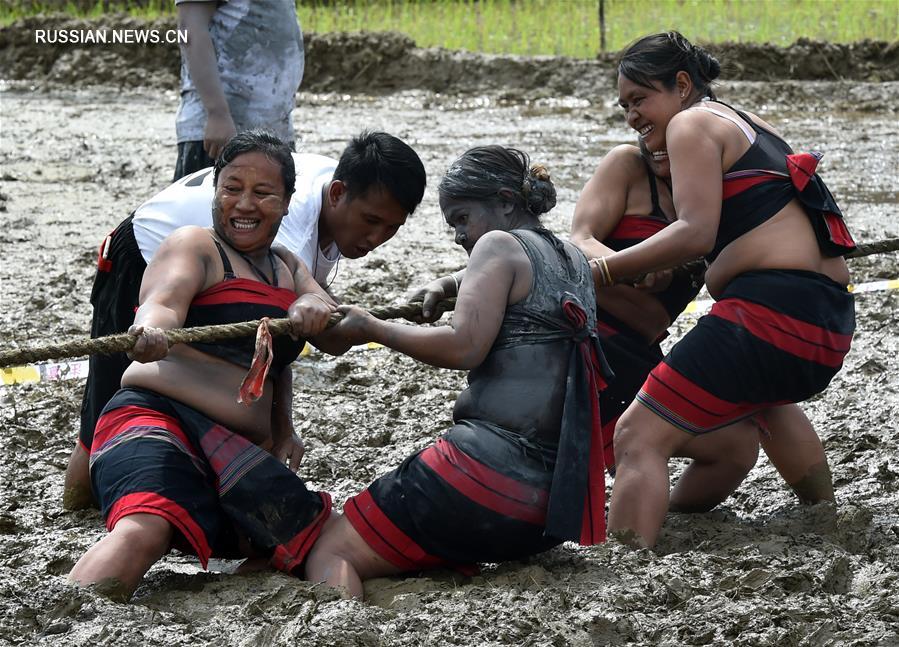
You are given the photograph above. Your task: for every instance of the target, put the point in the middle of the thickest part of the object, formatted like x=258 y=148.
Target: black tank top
x=764 y=180
x=236 y=300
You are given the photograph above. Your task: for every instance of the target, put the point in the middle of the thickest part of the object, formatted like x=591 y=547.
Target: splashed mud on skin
x=758 y=570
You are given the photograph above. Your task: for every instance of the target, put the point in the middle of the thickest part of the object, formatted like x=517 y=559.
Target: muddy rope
x=124 y=342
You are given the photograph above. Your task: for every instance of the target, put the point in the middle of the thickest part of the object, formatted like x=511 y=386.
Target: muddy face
x=471 y=219
x=250 y=202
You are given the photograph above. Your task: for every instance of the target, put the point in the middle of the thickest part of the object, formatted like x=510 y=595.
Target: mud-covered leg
x=77 y=493
x=341 y=559
x=643 y=444
x=796 y=451
x=117 y=563
x=721 y=460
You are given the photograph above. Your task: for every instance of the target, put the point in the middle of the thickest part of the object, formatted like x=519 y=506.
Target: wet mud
x=758 y=570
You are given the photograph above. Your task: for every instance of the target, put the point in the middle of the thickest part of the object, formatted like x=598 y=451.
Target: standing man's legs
x=191 y=158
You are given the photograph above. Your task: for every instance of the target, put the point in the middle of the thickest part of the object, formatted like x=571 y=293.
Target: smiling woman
x=774 y=238
x=176 y=459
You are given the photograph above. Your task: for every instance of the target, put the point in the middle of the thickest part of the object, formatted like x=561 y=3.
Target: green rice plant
x=571 y=27
x=558 y=27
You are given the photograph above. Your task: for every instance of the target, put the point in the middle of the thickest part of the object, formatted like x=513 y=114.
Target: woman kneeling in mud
x=165 y=469
x=521 y=469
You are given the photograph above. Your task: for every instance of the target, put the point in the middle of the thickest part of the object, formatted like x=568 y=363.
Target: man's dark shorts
x=115 y=297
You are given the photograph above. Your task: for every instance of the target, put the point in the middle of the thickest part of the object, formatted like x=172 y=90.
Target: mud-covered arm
x=286 y=444
x=696 y=171
x=199 y=55
x=177 y=272
x=495 y=261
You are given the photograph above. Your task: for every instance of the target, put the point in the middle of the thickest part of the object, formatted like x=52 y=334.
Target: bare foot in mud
x=816 y=486
x=628 y=538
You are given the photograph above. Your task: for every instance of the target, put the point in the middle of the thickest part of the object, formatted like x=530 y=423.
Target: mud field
x=759 y=570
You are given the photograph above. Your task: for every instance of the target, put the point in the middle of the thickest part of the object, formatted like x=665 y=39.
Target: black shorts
x=115 y=297
x=191 y=158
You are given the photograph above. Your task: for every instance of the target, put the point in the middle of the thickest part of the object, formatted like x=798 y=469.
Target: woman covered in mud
x=627 y=200
x=521 y=469
x=783 y=321
x=176 y=459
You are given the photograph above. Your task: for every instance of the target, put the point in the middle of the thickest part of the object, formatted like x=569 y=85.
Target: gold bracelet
x=605 y=276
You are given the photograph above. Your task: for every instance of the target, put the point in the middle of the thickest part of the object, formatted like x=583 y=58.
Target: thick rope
x=125 y=342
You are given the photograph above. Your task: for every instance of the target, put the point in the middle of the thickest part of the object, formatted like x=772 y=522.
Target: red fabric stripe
x=380 y=533
x=793 y=336
x=292 y=554
x=152 y=503
x=124 y=418
x=690 y=402
x=641 y=227
x=593 y=524
x=245 y=291
x=605 y=330
x=839 y=233
x=484 y=485
x=737 y=185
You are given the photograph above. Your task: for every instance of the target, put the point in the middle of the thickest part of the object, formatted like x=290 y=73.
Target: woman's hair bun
x=538 y=189
x=708 y=65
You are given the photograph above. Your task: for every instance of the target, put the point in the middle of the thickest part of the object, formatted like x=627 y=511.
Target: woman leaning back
x=628 y=199
x=175 y=459
x=521 y=468
x=784 y=319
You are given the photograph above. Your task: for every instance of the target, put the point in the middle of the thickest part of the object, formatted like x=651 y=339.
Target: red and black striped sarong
x=482 y=493
x=774 y=337
x=151 y=454
x=479 y=494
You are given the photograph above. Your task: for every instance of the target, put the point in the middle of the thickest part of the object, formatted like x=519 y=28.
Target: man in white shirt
x=340 y=208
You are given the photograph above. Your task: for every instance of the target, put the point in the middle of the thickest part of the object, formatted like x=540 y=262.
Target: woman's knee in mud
x=77 y=493
x=638 y=434
x=148 y=536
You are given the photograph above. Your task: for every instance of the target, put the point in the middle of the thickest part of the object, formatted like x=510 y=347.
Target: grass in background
x=562 y=27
